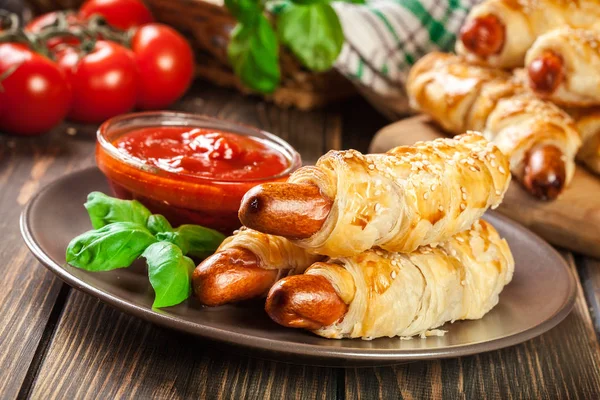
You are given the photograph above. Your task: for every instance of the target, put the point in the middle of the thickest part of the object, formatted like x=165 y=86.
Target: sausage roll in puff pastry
x=563 y=66
x=540 y=139
x=498 y=33
x=394 y=294
x=588 y=124
x=246 y=265
x=408 y=197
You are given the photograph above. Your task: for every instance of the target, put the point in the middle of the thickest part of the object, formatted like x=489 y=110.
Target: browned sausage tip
x=304 y=301
x=295 y=211
x=546 y=72
x=545 y=172
x=483 y=36
x=230 y=276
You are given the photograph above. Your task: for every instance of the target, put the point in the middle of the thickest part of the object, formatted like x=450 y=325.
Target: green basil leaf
x=254 y=55
x=307 y=2
x=277 y=6
x=201 y=241
x=157 y=223
x=104 y=210
x=176 y=238
x=245 y=11
x=313 y=33
x=113 y=246
x=169 y=272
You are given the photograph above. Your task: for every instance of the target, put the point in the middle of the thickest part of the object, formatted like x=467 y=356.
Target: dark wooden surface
x=56 y=342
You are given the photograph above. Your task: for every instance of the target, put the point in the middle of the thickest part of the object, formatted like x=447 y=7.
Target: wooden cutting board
x=572 y=221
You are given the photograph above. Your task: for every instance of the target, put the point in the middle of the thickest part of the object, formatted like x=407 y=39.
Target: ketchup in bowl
x=192 y=169
x=201 y=152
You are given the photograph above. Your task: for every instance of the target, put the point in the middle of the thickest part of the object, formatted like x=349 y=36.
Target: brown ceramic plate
x=541 y=294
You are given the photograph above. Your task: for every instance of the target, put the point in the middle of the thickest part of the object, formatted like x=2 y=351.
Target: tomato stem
x=87 y=33
x=8 y=21
x=98 y=25
x=20 y=36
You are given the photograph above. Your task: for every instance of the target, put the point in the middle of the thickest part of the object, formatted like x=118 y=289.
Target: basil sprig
x=313 y=33
x=113 y=246
x=309 y=28
x=169 y=272
x=125 y=230
x=156 y=223
x=253 y=53
x=201 y=241
x=104 y=210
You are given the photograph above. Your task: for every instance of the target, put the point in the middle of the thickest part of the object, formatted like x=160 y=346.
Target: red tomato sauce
x=195 y=175
x=203 y=153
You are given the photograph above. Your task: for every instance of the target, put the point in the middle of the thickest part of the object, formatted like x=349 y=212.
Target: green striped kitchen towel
x=385 y=37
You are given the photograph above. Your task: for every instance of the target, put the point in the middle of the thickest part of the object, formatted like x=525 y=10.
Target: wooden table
x=56 y=342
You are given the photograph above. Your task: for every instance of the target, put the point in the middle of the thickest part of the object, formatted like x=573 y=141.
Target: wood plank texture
x=589 y=271
x=562 y=363
x=27 y=291
x=361 y=122
x=98 y=352
x=101 y=353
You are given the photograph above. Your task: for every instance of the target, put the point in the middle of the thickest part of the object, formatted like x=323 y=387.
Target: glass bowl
x=182 y=198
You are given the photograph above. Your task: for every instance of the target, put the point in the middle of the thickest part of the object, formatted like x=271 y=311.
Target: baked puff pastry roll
x=563 y=66
x=588 y=123
x=408 y=197
x=539 y=138
x=393 y=294
x=498 y=33
x=246 y=265
x=456 y=94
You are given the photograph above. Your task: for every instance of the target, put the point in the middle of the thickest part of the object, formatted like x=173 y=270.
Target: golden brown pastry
x=588 y=123
x=498 y=33
x=563 y=66
x=392 y=294
x=540 y=139
x=246 y=265
x=408 y=197
x=458 y=95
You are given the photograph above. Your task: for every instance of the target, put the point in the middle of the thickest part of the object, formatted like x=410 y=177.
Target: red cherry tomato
x=104 y=82
x=122 y=14
x=166 y=64
x=45 y=20
x=34 y=93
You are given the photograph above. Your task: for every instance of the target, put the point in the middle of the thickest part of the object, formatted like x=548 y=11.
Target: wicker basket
x=208 y=25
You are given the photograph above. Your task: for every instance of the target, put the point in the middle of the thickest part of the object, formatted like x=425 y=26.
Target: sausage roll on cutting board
x=563 y=66
x=588 y=123
x=408 y=197
x=392 y=294
x=540 y=139
x=246 y=265
x=498 y=33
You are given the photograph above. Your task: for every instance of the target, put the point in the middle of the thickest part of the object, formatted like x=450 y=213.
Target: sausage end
x=230 y=276
x=304 y=301
x=483 y=36
x=545 y=73
x=545 y=172
x=295 y=211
